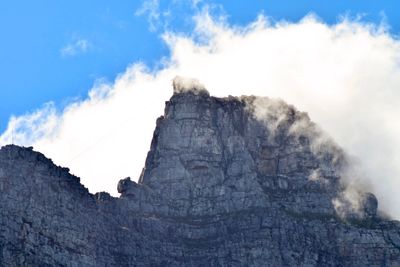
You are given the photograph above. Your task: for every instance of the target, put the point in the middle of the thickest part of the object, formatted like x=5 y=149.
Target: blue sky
x=55 y=50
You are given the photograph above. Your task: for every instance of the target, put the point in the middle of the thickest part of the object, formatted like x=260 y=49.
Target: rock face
x=227 y=182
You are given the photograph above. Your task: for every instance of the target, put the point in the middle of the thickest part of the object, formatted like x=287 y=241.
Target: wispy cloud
x=161 y=15
x=80 y=46
x=151 y=9
x=346 y=76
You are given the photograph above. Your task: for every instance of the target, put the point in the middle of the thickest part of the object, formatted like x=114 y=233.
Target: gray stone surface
x=227 y=182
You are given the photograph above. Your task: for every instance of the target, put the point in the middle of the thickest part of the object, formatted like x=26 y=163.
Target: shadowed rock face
x=227 y=182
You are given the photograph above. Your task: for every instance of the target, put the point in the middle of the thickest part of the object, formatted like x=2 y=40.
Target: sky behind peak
x=56 y=50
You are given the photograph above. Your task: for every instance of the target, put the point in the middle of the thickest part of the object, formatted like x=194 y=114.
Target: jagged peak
x=216 y=188
x=16 y=153
x=10 y=147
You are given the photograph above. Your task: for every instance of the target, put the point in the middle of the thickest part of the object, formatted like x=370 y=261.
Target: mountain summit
x=234 y=181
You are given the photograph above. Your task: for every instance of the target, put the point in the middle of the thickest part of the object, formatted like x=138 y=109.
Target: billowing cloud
x=346 y=76
x=78 y=47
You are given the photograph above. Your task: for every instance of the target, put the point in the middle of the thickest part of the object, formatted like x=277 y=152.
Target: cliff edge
x=231 y=181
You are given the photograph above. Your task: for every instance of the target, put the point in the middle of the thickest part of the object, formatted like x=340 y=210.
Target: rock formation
x=227 y=182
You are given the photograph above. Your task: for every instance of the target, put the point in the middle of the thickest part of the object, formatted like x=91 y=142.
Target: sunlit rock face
x=228 y=182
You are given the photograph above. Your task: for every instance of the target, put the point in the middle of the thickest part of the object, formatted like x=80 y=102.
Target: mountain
x=237 y=181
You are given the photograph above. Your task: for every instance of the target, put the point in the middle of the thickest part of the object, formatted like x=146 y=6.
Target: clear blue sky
x=54 y=50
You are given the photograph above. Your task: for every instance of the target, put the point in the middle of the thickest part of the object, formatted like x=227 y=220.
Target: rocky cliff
x=227 y=182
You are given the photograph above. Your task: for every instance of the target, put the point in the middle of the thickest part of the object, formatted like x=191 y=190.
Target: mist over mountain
x=228 y=181
x=345 y=75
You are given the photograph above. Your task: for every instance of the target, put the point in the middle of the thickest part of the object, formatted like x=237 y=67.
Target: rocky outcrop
x=227 y=182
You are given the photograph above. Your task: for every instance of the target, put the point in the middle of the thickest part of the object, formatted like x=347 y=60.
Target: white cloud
x=78 y=47
x=346 y=76
x=184 y=84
